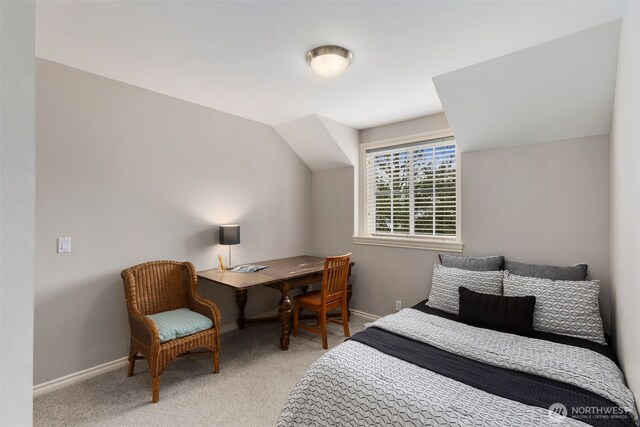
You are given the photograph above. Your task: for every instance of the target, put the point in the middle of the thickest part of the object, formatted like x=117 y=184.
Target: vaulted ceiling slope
x=247 y=58
x=321 y=143
x=557 y=90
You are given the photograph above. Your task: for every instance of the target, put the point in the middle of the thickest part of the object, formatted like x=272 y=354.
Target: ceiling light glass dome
x=329 y=61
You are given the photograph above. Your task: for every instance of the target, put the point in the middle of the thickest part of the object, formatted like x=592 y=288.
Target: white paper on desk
x=248 y=268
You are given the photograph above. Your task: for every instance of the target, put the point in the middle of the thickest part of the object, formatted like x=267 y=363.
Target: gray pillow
x=573 y=272
x=446 y=281
x=486 y=263
x=562 y=307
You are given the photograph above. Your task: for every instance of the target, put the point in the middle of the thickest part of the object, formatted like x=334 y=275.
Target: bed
x=422 y=366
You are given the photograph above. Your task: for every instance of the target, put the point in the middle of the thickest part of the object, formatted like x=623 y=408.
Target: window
x=411 y=193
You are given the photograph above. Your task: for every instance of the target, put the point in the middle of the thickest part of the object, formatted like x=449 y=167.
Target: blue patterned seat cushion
x=179 y=323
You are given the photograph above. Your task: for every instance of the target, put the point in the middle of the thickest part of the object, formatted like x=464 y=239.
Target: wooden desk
x=282 y=274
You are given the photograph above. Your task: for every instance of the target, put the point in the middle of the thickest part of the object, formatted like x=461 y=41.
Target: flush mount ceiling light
x=329 y=61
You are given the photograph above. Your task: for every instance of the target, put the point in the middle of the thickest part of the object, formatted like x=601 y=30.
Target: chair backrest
x=158 y=286
x=334 y=279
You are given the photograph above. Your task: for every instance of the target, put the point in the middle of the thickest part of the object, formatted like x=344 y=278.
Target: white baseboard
x=77 y=377
x=121 y=363
x=366 y=315
x=85 y=374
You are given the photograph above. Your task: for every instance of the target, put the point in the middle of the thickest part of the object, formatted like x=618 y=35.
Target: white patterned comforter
x=354 y=384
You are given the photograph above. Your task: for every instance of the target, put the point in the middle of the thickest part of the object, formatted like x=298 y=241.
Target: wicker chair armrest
x=143 y=328
x=206 y=308
x=202 y=305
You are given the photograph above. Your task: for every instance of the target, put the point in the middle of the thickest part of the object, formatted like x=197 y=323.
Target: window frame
x=451 y=244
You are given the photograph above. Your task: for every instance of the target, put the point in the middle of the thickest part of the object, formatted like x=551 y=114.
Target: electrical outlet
x=398 y=305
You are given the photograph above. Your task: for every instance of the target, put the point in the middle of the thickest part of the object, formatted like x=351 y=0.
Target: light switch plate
x=64 y=245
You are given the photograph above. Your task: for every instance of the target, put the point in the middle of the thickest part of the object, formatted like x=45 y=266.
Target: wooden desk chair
x=158 y=288
x=332 y=295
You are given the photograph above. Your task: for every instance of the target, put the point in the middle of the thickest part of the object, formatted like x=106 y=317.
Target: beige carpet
x=253 y=384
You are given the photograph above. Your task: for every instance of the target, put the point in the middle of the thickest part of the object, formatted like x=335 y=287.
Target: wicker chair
x=160 y=286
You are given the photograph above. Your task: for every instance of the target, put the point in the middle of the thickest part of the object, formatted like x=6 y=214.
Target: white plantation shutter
x=411 y=189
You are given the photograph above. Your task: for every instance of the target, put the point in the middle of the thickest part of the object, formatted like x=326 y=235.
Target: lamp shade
x=229 y=234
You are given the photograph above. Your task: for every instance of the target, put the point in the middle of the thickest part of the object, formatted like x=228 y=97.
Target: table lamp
x=229 y=235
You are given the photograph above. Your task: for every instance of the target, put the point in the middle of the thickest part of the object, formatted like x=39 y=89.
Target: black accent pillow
x=506 y=314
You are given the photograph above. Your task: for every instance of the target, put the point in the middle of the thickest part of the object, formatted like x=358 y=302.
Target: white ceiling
x=557 y=90
x=247 y=58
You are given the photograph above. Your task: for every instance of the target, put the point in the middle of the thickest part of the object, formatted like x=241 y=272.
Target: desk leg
x=285 y=319
x=241 y=300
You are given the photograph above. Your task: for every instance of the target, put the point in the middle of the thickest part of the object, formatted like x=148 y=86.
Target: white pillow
x=446 y=281
x=562 y=307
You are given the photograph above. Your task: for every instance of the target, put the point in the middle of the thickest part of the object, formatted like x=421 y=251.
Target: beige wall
x=625 y=199
x=116 y=161
x=541 y=203
x=132 y=176
x=17 y=209
x=405 y=128
x=381 y=275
